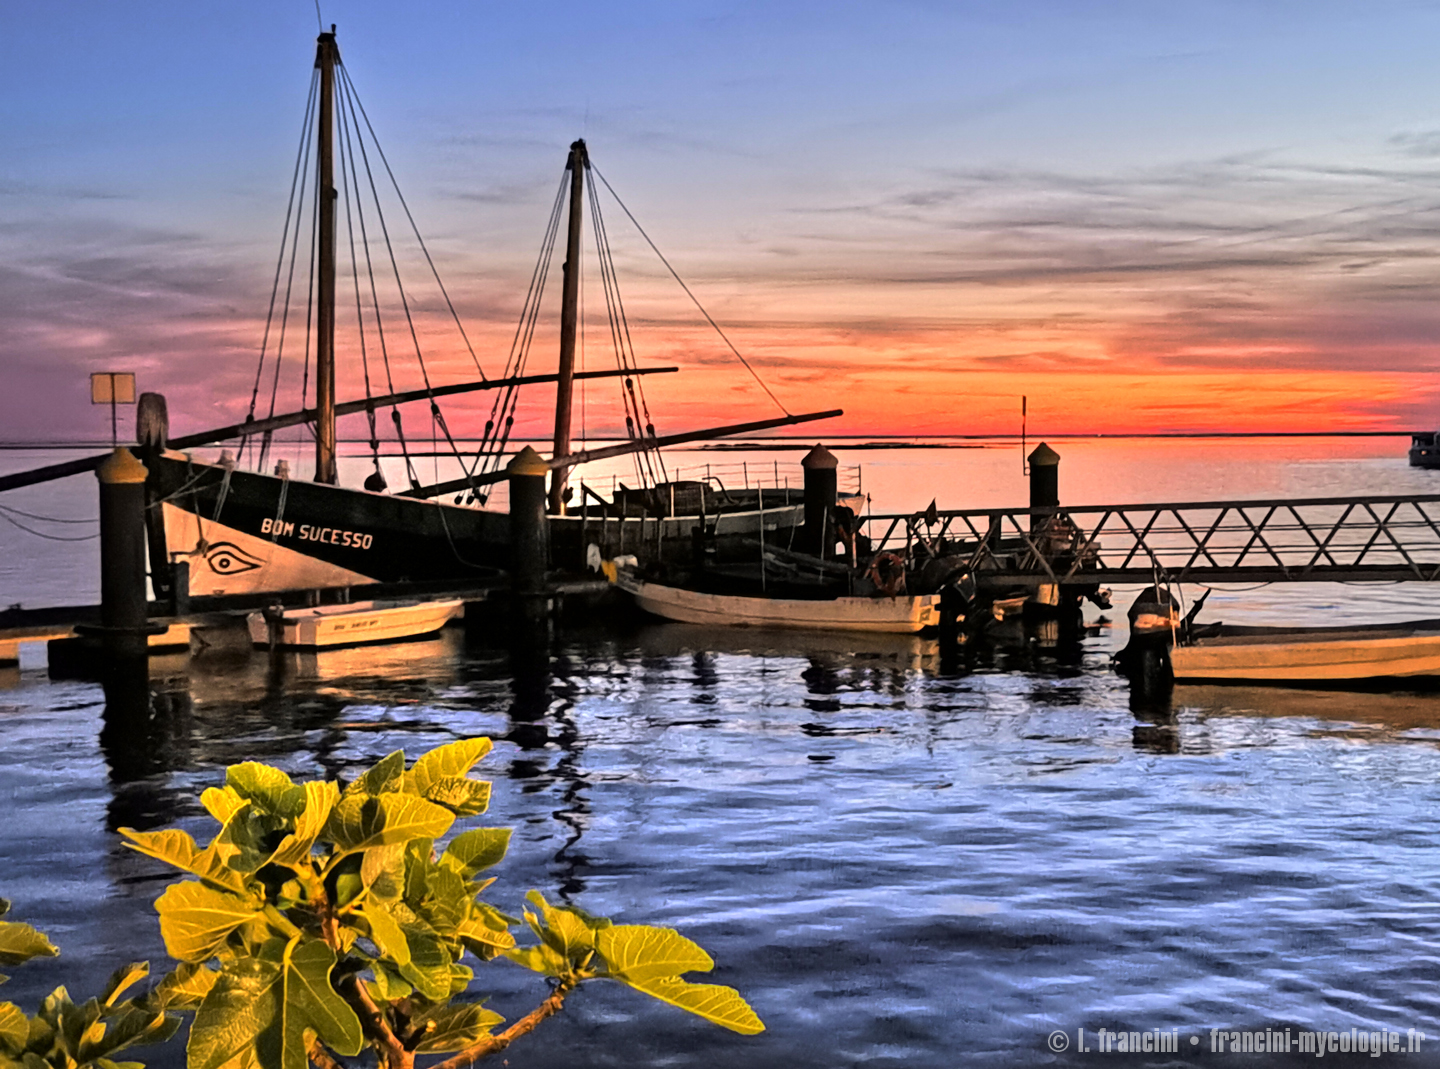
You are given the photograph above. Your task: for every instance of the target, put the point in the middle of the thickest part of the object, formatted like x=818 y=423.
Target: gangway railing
x=1342 y=539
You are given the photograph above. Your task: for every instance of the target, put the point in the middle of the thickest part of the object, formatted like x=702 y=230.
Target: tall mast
x=326 y=55
x=577 y=165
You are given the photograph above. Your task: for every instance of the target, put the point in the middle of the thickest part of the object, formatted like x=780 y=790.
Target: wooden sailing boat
x=241 y=532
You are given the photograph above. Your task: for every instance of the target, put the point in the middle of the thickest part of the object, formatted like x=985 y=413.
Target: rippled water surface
x=899 y=860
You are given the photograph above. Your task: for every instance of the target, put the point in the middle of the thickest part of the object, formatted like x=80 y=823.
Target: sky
x=1144 y=217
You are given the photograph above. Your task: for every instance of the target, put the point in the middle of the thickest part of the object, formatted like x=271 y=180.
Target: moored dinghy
x=330 y=626
x=902 y=614
x=1310 y=654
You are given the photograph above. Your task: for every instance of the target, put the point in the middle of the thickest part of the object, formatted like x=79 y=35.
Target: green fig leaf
x=320 y=799
x=568 y=931
x=358 y=822
x=388 y=984
x=717 y=1004
x=453 y=1028
x=183 y=989
x=236 y=1024
x=176 y=848
x=386 y=933
x=448 y=901
x=447 y=762
x=429 y=965
x=638 y=952
x=385 y=776
x=122 y=979
x=465 y=797
x=134 y=1028
x=310 y=1002
x=382 y=871
x=542 y=959
x=20 y=942
x=222 y=803
x=486 y=931
x=475 y=851
x=266 y=787
x=195 y=919
x=14 y=1028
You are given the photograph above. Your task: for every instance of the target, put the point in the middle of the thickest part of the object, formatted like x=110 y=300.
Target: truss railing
x=1305 y=539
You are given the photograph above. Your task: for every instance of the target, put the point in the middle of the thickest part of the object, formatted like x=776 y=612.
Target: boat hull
x=1425 y=449
x=1309 y=658
x=899 y=615
x=246 y=533
x=361 y=623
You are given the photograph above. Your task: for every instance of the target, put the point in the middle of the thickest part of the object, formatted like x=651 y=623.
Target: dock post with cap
x=529 y=533
x=821 y=488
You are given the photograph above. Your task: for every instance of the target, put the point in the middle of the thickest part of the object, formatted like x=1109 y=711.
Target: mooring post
x=169 y=579
x=1044 y=481
x=821 y=485
x=122 y=552
x=529 y=532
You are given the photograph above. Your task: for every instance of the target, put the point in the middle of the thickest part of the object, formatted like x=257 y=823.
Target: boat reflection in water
x=1205 y=719
x=913 y=652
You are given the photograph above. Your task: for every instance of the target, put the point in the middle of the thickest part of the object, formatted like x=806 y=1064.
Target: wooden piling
x=1044 y=480
x=529 y=532
x=122 y=547
x=821 y=487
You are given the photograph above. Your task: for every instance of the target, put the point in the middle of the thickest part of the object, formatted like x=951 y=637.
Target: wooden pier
x=1320 y=539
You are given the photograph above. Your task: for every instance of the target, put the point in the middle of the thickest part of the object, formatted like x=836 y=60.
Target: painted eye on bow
x=226 y=558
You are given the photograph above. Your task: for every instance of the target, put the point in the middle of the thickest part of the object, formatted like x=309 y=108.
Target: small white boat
x=1313 y=655
x=901 y=614
x=326 y=626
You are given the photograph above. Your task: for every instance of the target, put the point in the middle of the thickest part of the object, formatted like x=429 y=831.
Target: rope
x=346 y=167
x=301 y=152
x=692 y=296
x=41 y=534
x=294 y=237
x=43 y=519
x=647 y=460
x=415 y=229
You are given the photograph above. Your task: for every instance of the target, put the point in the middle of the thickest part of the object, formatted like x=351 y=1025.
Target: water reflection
x=542 y=713
x=844 y=821
x=145 y=734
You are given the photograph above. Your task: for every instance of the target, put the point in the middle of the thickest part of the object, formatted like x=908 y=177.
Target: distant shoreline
x=852 y=441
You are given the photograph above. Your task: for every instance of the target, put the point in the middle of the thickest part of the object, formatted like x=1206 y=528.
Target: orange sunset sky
x=1188 y=217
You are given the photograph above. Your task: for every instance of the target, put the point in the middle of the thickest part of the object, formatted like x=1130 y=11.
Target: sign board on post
x=112 y=388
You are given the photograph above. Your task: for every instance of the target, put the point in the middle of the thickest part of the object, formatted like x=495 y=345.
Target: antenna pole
x=577 y=165
x=326 y=55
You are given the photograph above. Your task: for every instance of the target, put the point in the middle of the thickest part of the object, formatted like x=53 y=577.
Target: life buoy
x=887 y=572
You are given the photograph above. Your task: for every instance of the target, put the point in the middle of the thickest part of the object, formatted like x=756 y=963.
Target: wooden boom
x=290 y=419
x=559 y=463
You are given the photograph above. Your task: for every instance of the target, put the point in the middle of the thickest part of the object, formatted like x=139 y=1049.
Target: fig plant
x=66 y=1036
x=322 y=921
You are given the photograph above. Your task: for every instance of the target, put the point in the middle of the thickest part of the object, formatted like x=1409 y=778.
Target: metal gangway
x=1320 y=539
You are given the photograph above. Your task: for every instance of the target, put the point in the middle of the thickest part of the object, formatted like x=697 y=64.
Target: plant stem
x=395 y=1053
x=321 y=1057
x=527 y=1024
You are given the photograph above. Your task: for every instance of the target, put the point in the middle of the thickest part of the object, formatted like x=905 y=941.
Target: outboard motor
x=1145 y=661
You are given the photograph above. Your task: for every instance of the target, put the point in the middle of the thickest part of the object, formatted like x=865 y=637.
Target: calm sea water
x=897 y=863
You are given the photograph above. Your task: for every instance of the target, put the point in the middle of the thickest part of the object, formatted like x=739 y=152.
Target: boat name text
x=332 y=536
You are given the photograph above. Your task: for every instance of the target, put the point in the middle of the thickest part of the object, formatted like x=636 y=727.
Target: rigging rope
x=692 y=296
x=415 y=229
x=637 y=411
x=346 y=166
x=301 y=153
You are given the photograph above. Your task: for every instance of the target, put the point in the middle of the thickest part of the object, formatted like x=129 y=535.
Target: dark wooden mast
x=326 y=55
x=577 y=165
